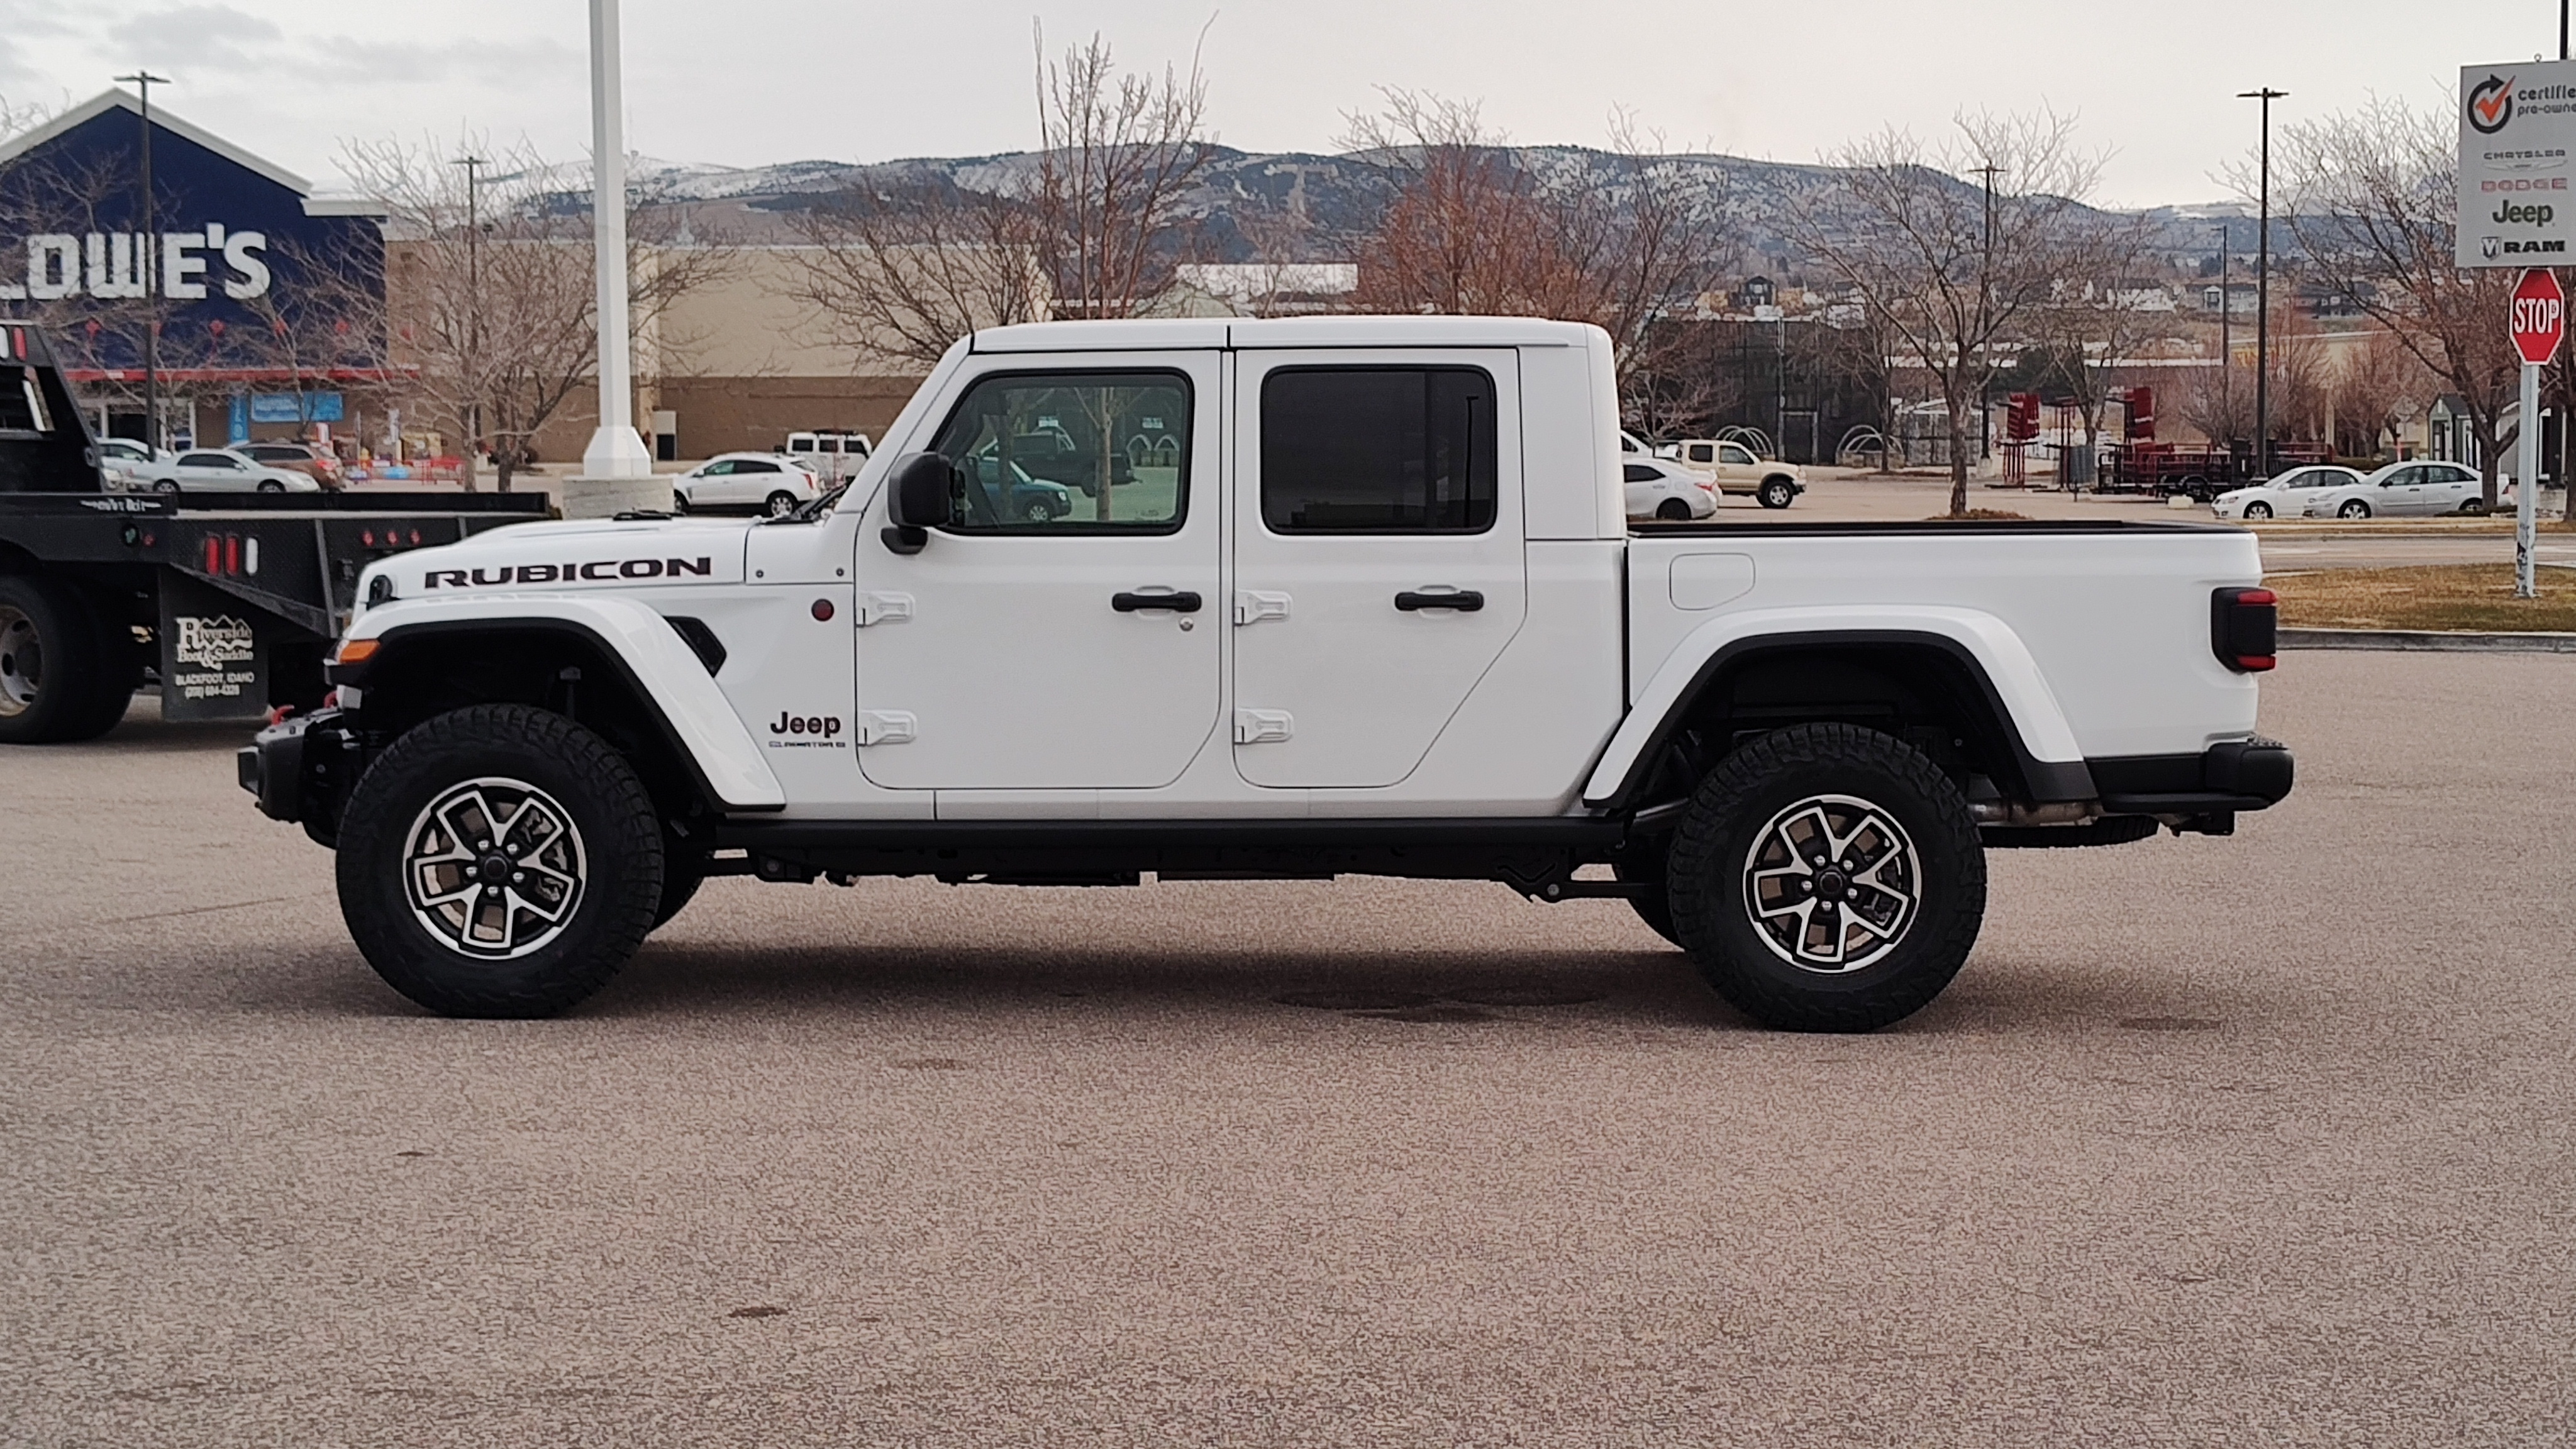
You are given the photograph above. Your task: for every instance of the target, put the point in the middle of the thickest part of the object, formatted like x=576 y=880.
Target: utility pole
x=2226 y=331
x=615 y=450
x=473 y=311
x=2263 y=294
x=149 y=264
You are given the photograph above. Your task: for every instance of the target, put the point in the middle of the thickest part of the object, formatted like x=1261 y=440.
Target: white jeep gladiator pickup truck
x=1360 y=600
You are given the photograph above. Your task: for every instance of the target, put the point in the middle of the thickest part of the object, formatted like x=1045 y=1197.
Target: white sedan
x=2283 y=497
x=771 y=483
x=2402 y=490
x=1666 y=490
x=219 y=470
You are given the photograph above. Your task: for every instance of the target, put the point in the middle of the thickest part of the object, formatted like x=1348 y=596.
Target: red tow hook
x=278 y=715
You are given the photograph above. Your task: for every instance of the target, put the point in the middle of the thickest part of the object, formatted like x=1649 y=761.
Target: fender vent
x=701 y=640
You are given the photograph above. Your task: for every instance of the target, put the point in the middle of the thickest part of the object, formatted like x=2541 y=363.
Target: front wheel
x=1038 y=510
x=166 y=485
x=2353 y=508
x=1828 y=877
x=780 y=504
x=499 y=861
x=271 y=485
x=1777 y=493
x=2258 y=510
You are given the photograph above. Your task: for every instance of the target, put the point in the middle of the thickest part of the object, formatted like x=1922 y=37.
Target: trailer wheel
x=50 y=662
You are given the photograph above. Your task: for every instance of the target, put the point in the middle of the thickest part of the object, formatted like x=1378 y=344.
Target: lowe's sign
x=249 y=276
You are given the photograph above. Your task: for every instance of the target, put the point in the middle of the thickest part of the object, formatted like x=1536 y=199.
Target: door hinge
x=887 y=727
x=1262 y=726
x=884 y=609
x=1251 y=606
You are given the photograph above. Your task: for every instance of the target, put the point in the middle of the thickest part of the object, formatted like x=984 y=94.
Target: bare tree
x=906 y=269
x=2377 y=389
x=2370 y=197
x=1116 y=153
x=492 y=292
x=1955 y=268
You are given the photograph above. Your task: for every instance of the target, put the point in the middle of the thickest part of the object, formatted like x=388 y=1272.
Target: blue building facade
x=249 y=286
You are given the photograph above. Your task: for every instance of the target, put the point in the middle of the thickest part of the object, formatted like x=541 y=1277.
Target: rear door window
x=1378 y=450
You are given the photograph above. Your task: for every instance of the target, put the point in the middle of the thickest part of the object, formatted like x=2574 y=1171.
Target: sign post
x=2539 y=324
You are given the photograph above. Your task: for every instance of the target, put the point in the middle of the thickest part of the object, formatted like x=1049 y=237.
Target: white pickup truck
x=1375 y=611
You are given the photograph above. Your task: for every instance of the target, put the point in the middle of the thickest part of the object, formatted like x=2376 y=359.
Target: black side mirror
x=917 y=500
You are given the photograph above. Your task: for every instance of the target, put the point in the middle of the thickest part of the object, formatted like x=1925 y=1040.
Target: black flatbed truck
x=231 y=599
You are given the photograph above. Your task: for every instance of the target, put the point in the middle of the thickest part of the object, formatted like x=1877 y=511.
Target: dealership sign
x=2517 y=132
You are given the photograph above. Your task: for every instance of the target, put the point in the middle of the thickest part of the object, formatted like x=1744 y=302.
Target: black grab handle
x=1184 y=602
x=1465 y=601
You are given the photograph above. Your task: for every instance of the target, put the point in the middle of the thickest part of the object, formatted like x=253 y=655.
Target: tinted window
x=1071 y=452
x=208 y=460
x=1378 y=450
x=1702 y=453
x=1640 y=473
x=755 y=465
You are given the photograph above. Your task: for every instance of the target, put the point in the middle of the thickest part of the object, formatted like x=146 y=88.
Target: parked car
x=301 y=457
x=122 y=459
x=1668 y=491
x=830 y=455
x=770 y=482
x=2402 y=490
x=221 y=470
x=1028 y=500
x=2283 y=497
x=1736 y=470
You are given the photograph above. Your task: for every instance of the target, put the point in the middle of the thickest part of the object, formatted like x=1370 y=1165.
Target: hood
x=577 y=555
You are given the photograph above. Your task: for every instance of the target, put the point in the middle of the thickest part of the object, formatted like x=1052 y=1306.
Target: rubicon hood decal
x=555 y=556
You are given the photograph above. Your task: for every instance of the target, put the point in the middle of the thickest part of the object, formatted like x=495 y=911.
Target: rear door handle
x=1182 y=602
x=1465 y=601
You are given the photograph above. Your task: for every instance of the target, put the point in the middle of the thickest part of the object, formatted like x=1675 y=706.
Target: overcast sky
x=741 y=82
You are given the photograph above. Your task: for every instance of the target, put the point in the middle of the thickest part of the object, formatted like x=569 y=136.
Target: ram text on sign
x=2517 y=133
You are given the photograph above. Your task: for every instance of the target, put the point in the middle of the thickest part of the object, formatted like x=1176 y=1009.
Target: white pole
x=2526 y=487
x=615 y=450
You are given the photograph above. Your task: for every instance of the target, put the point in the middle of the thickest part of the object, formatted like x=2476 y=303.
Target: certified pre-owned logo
x=2491 y=105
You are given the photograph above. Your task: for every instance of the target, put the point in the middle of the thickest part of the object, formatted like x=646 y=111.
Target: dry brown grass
x=2476 y=597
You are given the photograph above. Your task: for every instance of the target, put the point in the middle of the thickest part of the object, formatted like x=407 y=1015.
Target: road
x=2257 y=1140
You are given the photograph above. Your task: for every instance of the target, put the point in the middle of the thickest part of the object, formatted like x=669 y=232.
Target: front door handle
x=1465 y=601
x=1182 y=602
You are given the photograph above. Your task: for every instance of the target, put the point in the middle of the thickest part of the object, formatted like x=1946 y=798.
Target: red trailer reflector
x=214 y=554
x=232 y=553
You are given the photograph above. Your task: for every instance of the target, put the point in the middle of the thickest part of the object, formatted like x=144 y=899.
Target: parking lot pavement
x=2256 y=1140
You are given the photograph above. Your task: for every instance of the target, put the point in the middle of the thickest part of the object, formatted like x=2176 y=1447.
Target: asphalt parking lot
x=2259 y=1140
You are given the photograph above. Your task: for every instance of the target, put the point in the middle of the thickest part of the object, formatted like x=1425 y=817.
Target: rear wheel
x=2473 y=507
x=499 y=861
x=1777 y=493
x=1828 y=878
x=2353 y=508
x=1673 y=510
x=54 y=666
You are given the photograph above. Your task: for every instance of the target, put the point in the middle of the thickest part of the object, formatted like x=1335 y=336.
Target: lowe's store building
x=263 y=306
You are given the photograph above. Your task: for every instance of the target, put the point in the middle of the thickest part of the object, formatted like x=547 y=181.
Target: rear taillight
x=2244 y=628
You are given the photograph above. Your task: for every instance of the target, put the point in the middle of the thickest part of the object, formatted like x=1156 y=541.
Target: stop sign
x=2539 y=315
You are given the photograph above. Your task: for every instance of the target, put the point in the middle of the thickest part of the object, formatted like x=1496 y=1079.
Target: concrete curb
x=2426 y=640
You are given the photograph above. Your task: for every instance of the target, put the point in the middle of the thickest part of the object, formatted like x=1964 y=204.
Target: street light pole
x=2226 y=332
x=149 y=266
x=615 y=450
x=2263 y=294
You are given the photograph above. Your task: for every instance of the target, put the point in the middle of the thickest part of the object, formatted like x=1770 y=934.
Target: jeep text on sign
x=2517 y=131
x=2539 y=316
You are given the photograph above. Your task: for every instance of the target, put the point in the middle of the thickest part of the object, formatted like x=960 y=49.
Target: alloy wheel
x=1832 y=884
x=22 y=661
x=494 y=868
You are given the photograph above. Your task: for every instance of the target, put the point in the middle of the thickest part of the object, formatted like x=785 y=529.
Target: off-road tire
x=1709 y=877
x=620 y=838
x=62 y=695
